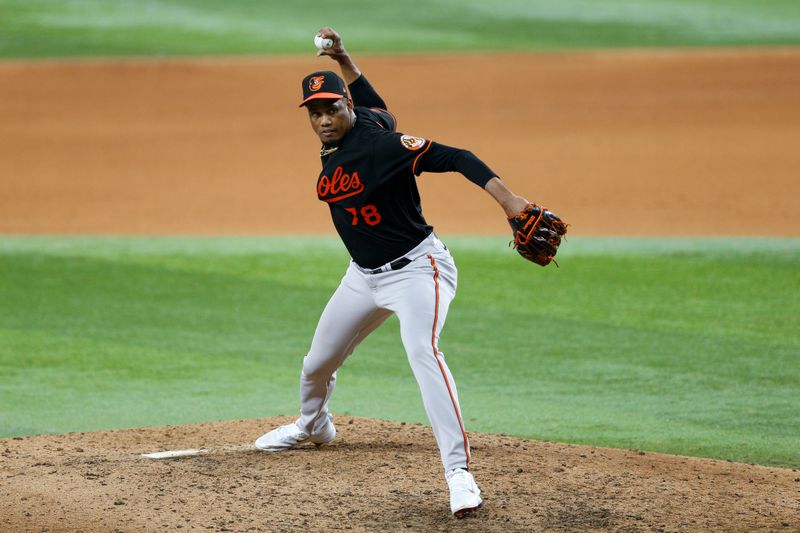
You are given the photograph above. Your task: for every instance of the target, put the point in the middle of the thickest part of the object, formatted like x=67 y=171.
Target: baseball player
x=399 y=266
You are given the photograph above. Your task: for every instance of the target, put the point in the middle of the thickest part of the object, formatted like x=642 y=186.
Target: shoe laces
x=460 y=479
x=291 y=430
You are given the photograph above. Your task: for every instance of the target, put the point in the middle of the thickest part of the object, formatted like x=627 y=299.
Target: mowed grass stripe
x=92 y=28
x=685 y=346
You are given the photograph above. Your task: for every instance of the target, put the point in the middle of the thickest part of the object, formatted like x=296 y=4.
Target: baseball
x=322 y=43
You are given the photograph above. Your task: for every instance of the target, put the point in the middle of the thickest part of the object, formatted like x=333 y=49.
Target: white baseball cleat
x=465 y=496
x=288 y=436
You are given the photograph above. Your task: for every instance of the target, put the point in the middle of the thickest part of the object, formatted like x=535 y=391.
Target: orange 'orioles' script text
x=339 y=186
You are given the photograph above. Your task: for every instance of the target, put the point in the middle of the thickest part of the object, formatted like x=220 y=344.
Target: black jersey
x=369 y=182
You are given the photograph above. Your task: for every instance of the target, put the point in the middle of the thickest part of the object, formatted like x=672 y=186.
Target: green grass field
x=686 y=346
x=94 y=28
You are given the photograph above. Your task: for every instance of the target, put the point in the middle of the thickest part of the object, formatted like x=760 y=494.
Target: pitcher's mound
x=376 y=476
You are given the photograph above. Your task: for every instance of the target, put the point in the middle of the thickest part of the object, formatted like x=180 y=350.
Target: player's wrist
x=345 y=61
x=510 y=202
x=513 y=204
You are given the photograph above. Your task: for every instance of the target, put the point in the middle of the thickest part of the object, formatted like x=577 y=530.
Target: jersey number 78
x=369 y=214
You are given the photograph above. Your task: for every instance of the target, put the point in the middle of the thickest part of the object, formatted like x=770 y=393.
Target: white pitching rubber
x=173 y=453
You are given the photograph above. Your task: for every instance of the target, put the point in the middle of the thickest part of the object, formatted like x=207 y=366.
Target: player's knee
x=317 y=371
x=422 y=352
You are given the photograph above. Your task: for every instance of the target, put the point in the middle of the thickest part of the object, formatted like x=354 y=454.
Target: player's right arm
x=350 y=71
x=360 y=89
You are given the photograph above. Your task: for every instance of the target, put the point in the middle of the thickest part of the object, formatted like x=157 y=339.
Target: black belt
x=394 y=265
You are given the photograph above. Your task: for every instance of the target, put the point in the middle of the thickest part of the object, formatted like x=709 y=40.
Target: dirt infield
x=630 y=143
x=376 y=476
x=219 y=147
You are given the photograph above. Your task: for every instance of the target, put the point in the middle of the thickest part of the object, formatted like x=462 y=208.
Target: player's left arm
x=537 y=231
x=441 y=158
x=510 y=202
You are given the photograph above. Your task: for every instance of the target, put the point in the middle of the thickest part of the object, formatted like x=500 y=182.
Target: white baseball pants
x=419 y=294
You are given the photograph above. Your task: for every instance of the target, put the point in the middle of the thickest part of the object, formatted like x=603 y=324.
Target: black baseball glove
x=537 y=234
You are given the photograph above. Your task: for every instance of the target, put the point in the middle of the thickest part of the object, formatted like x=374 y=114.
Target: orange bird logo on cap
x=315 y=83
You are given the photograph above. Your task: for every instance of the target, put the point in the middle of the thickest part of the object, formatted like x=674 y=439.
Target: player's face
x=330 y=119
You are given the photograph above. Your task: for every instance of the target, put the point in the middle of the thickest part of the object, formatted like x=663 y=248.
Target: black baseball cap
x=322 y=84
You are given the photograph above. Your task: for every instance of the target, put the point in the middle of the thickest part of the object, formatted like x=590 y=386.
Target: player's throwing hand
x=337 y=49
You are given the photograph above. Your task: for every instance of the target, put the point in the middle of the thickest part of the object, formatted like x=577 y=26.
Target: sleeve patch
x=412 y=143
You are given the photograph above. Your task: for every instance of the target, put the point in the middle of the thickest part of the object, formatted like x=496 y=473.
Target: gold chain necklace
x=327 y=151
